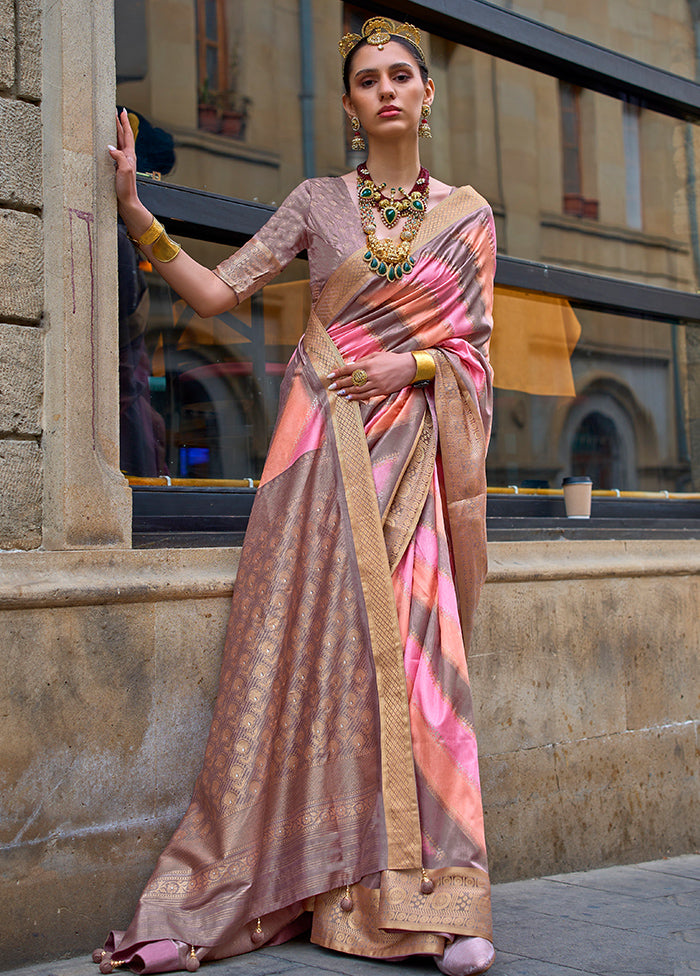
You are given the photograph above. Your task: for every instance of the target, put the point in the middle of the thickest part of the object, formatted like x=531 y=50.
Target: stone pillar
x=87 y=502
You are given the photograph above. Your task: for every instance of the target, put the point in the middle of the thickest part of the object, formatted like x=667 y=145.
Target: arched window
x=597 y=451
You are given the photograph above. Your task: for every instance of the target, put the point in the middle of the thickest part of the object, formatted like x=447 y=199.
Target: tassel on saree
x=426 y=885
x=346 y=901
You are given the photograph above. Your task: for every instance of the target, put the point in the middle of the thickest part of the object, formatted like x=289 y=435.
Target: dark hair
x=422 y=66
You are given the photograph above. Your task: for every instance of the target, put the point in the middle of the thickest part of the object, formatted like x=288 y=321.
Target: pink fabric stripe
x=458 y=793
x=301 y=428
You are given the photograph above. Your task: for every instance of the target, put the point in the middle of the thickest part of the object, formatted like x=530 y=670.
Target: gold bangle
x=153 y=232
x=425 y=367
x=163 y=249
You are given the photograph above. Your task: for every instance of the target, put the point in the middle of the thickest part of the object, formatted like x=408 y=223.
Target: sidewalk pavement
x=638 y=920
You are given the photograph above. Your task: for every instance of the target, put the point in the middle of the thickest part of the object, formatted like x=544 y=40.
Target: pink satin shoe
x=466 y=956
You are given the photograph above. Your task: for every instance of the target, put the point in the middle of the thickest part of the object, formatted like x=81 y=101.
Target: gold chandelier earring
x=358 y=143
x=424 y=126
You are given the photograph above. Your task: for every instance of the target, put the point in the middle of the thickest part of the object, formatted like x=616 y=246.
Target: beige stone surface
x=21 y=262
x=109 y=709
x=29 y=49
x=99 y=577
x=597 y=801
x=20 y=494
x=540 y=672
x=21 y=379
x=87 y=502
x=523 y=833
x=7 y=43
x=623 y=795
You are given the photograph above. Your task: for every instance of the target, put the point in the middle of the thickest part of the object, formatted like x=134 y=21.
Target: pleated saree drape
x=340 y=786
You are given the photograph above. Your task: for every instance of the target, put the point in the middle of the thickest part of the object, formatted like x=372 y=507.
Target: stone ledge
x=99 y=577
x=95 y=578
x=514 y=562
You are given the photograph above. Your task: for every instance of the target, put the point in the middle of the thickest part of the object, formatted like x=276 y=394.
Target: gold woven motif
x=397 y=918
x=403 y=514
x=281 y=714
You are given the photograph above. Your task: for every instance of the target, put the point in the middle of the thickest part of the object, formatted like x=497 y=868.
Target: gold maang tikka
x=378 y=31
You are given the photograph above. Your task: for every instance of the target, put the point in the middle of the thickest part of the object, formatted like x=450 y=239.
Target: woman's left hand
x=386 y=372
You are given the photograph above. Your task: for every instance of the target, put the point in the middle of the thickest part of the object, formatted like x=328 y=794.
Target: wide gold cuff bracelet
x=163 y=249
x=425 y=368
x=155 y=229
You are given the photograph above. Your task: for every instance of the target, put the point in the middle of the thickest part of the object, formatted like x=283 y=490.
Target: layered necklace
x=389 y=257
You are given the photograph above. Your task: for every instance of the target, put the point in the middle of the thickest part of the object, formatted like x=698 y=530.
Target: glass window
x=633 y=166
x=577 y=180
x=199 y=396
x=580 y=392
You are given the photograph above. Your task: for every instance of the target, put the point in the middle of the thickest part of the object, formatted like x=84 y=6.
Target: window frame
x=512 y=37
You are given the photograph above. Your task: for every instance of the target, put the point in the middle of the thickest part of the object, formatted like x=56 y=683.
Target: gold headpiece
x=378 y=31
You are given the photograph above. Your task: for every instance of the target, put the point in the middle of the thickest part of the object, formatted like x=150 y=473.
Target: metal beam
x=597 y=291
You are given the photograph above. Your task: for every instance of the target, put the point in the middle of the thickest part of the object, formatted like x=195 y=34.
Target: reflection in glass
x=660 y=35
x=577 y=392
x=576 y=179
x=580 y=392
x=209 y=388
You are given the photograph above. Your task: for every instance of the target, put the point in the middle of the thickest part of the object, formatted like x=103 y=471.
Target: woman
x=340 y=787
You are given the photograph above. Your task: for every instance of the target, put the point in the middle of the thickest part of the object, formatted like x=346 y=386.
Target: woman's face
x=386 y=91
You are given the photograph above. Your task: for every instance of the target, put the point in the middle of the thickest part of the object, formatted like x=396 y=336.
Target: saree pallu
x=340 y=787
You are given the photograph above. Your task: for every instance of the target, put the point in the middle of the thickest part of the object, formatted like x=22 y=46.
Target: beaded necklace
x=389 y=257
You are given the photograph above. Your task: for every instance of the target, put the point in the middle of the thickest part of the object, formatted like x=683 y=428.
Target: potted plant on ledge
x=207 y=112
x=234 y=114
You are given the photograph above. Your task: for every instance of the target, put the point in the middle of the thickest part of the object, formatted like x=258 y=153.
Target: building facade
x=584 y=661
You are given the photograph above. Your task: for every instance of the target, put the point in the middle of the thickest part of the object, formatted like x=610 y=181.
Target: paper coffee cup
x=577 y=497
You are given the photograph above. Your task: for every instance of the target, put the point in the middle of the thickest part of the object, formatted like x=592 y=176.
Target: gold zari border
x=399 y=793
x=398 y=919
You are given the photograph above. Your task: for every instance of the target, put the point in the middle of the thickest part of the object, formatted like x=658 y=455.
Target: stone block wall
x=583 y=665
x=21 y=275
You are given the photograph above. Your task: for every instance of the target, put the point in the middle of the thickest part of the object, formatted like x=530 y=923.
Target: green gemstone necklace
x=389 y=257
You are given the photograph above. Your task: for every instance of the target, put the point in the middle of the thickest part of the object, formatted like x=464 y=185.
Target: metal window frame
x=225 y=220
x=520 y=40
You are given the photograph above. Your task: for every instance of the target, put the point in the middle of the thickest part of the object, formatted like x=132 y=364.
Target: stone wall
x=584 y=668
x=21 y=275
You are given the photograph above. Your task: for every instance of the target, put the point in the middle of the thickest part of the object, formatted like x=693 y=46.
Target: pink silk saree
x=340 y=787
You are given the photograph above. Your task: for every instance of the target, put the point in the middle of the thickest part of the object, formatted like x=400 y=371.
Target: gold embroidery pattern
x=461 y=203
x=406 y=506
x=463 y=451
x=250 y=268
x=397 y=918
x=398 y=776
x=296 y=705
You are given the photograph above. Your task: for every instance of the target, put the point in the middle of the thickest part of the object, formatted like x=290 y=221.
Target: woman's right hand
x=136 y=217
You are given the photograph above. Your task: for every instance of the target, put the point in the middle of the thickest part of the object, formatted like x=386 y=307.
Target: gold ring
x=359 y=377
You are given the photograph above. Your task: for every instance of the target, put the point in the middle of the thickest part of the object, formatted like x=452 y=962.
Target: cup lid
x=577 y=481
